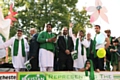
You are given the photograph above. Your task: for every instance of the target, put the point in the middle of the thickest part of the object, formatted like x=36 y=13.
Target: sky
x=113 y=14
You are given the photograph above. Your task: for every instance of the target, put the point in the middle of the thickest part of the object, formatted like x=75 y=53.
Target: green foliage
x=57 y=12
x=4 y=7
x=36 y=14
x=80 y=20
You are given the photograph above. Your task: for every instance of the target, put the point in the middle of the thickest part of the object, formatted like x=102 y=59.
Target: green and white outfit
x=82 y=57
x=80 y=46
x=19 y=49
x=46 y=51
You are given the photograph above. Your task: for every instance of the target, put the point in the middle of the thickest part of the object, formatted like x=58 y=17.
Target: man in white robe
x=19 y=49
x=80 y=61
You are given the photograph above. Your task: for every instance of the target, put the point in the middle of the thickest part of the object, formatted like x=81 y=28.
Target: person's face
x=19 y=33
x=97 y=29
x=75 y=35
x=115 y=43
x=65 y=31
x=49 y=28
x=31 y=32
x=88 y=64
x=81 y=34
x=88 y=36
x=108 y=33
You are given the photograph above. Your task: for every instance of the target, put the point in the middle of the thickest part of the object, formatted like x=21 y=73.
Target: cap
x=19 y=30
x=108 y=30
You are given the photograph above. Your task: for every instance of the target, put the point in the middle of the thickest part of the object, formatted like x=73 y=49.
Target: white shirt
x=89 y=41
x=100 y=40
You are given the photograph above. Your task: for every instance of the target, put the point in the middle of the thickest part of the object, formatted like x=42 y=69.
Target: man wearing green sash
x=47 y=48
x=100 y=41
x=90 y=54
x=19 y=49
x=80 y=46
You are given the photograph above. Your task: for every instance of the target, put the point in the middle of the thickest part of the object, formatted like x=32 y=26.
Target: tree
x=4 y=7
x=35 y=13
x=80 y=20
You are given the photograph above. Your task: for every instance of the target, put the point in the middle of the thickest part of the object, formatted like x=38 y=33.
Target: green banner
x=66 y=76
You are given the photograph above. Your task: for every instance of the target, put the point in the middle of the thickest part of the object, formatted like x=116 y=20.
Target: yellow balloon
x=101 y=53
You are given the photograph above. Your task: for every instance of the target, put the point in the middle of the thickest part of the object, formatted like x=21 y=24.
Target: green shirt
x=42 y=37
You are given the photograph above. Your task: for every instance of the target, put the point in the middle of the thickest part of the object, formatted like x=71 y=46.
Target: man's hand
x=67 y=52
x=113 y=50
x=49 y=40
x=54 y=39
x=86 y=68
x=71 y=25
x=31 y=57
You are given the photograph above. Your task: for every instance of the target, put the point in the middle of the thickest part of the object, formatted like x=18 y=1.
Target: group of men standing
x=42 y=49
x=87 y=48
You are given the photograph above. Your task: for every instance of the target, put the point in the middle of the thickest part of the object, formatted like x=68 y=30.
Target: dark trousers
x=65 y=62
x=34 y=63
x=108 y=59
x=91 y=56
x=56 y=66
x=99 y=63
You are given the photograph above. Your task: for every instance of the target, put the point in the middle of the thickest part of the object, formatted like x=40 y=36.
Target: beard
x=19 y=38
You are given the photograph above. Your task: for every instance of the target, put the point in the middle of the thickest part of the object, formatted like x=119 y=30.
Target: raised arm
x=71 y=33
x=107 y=42
x=7 y=43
